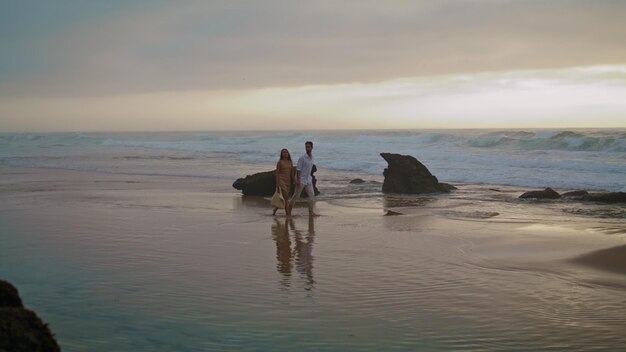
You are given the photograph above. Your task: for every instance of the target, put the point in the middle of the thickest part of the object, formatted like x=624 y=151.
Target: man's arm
x=298 y=168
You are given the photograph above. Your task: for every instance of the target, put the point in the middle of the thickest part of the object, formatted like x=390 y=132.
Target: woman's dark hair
x=280 y=157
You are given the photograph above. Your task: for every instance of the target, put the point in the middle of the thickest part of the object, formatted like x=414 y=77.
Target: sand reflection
x=294 y=250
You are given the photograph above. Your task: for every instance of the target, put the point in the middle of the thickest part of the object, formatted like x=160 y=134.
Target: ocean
x=561 y=159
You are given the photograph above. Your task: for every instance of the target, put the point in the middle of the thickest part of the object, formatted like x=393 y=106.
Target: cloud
x=564 y=98
x=576 y=97
x=245 y=45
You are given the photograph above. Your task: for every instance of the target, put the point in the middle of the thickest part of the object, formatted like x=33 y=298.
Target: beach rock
x=392 y=213
x=581 y=195
x=610 y=197
x=405 y=174
x=547 y=193
x=261 y=184
x=575 y=194
x=21 y=330
x=9 y=297
x=357 y=181
x=447 y=186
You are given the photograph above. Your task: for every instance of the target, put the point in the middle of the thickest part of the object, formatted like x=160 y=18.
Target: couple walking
x=303 y=178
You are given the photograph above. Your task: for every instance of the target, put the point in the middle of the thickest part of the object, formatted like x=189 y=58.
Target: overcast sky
x=205 y=65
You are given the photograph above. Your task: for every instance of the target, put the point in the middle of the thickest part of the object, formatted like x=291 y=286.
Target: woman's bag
x=277 y=200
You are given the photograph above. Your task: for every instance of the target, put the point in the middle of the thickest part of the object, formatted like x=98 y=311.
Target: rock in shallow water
x=21 y=330
x=612 y=197
x=575 y=194
x=547 y=193
x=9 y=297
x=407 y=175
x=261 y=184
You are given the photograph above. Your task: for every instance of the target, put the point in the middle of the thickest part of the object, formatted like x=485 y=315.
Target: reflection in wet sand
x=399 y=201
x=300 y=254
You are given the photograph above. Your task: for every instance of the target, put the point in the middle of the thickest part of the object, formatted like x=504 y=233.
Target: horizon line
x=319 y=130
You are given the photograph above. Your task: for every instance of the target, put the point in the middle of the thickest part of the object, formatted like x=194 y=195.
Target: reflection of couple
x=301 y=255
x=303 y=178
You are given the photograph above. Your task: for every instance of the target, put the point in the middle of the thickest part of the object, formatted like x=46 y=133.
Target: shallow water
x=160 y=269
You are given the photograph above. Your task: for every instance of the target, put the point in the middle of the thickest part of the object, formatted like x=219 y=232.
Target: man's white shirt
x=305 y=165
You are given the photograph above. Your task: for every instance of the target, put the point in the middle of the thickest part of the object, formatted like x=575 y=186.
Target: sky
x=115 y=65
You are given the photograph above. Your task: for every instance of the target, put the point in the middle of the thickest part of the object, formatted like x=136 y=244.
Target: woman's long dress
x=284 y=170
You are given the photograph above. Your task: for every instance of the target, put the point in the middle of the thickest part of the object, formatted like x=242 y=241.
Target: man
x=304 y=179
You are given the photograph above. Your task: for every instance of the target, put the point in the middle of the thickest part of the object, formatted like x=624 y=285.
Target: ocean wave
x=154 y=157
x=490 y=141
x=593 y=159
x=612 y=141
x=50 y=139
x=598 y=141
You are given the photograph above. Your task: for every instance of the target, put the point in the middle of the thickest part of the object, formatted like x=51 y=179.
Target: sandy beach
x=128 y=257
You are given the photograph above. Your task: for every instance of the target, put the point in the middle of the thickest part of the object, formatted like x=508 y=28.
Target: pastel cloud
x=324 y=64
x=565 y=98
x=232 y=45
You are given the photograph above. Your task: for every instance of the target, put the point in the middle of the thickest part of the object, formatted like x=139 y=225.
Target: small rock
x=259 y=184
x=575 y=194
x=611 y=197
x=262 y=184
x=447 y=187
x=547 y=193
x=392 y=213
x=357 y=181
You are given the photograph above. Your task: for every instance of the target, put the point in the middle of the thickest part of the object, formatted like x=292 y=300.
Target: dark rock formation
x=9 y=297
x=261 y=184
x=21 y=330
x=547 y=193
x=575 y=194
x=357 y=181
x=405 y=174
x=447 y=187
x=611 y=197
x=392 y=213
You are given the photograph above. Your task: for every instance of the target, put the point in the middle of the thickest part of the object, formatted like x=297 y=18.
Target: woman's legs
x=286 y=198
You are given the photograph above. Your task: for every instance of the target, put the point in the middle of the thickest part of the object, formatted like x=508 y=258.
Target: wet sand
x=128 y=256
x=610 y=259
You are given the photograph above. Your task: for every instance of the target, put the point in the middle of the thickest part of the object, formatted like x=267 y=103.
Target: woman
x=284 y=178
